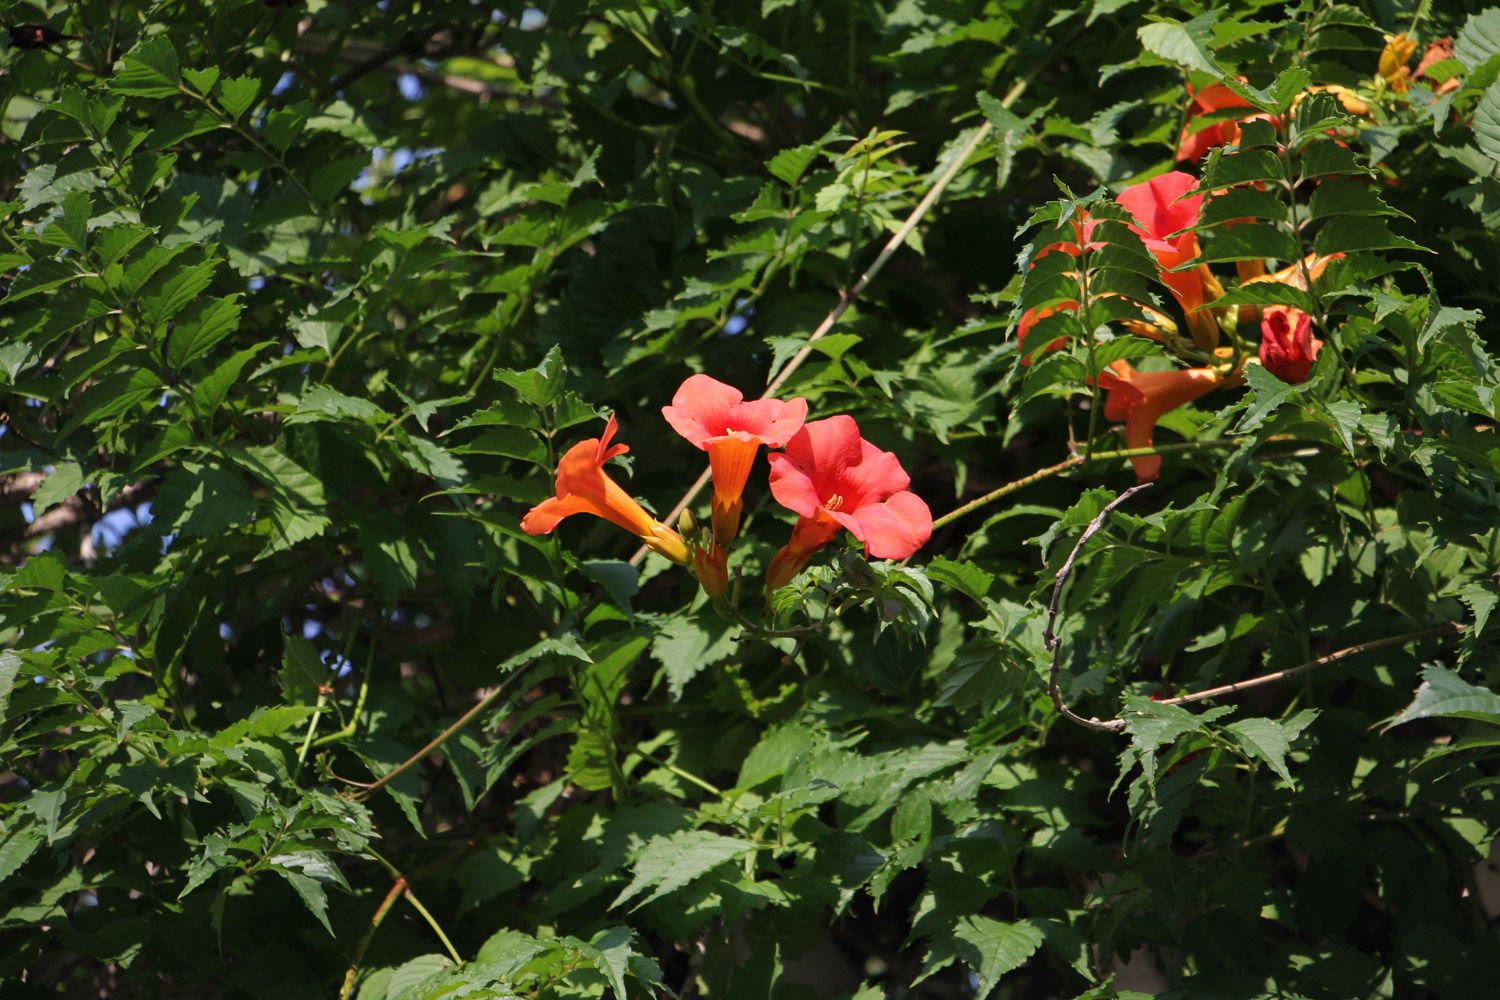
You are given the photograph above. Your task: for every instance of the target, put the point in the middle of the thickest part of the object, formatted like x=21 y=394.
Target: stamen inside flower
x=834 y=502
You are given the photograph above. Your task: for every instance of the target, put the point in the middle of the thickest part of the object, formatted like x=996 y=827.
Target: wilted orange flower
x=583 y=488
x=1300 y=274
x=1393 y=59
x=1142 y=398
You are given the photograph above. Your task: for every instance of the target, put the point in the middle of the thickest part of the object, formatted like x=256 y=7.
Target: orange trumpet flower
x=1142 y=398
x=583 y=488
x=715 y=417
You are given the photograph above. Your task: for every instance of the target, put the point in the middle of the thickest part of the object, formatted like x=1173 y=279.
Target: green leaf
x=150 y=70
x=989 y=947
x=689 y=645
x=111 y=397
x=196 y=334
x=1487 y=117
x=967 y=578
x=238 y=94
x=312 y=895
x=66 y=479
x=539 y=386
x=1481 y=600
x=1264 y=738
x=1010 y=133
x=1268 y=393
x=302 y=671
x=1443 y=694
x=210 y=393
x=671 y=862
x=331 y=178
x=15 y=851
x=177 y=291
x=10 y=668
x=1185 y=44
x=1479 y=41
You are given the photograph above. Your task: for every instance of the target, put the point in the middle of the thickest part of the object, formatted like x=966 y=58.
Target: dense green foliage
x=303 y=302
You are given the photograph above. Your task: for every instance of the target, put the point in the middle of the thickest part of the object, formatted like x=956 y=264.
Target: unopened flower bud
x=710 y=563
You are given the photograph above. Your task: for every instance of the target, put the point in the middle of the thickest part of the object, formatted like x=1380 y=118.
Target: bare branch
x=1050 y=635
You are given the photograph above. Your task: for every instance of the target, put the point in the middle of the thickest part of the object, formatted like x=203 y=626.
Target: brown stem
x=359 y=953
x=444 y=736
x=1050 y=636
x=1447 y=628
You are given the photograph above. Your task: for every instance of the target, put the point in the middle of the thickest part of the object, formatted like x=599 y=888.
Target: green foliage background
x=304 y=300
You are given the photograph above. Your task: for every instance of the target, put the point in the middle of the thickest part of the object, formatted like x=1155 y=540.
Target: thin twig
x=1447 y=628
x=444 y=736
x=1050 y=636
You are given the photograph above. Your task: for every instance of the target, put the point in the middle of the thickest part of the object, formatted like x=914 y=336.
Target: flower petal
x=896 y=528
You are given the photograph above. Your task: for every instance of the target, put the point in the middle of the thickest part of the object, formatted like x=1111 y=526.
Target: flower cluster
x=1166 y=212
x=828 y=475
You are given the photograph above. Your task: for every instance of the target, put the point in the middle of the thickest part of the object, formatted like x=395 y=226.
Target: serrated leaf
x=989 y=947
x=301 y=672
x=150 y=70
x=177 y=291
x=238 y=94
x=1480 y=598
x=312 y=894
x=1267 y=394
x=1487 y=117
x=331 y=178
x=1479 y=41
x=1443 y=694
x=539 y=386
x=18 y=847
x=195 y=336
x=1184 y=43
x=671 y=862
x=1265 y=739
x=789 y=164
x=66 y=479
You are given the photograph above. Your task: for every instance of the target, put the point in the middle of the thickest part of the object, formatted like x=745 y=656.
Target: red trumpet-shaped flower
x=1195 y=143
x=1161 y=208
x=836 y=479
x=1287 y=346
x=714 y=417
x=1142 y=398
x=583 y=488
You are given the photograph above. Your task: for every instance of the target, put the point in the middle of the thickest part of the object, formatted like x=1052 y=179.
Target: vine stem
x=359 y=952
x=848 y=296
x=411 y=897
x=443 y=737
x=1077 y=461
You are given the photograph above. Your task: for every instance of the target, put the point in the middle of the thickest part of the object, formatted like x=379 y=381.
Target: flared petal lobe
x=583 y=488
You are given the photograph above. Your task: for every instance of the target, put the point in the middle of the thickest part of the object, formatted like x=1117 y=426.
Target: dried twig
x=1054 y=643
x=1447 y=628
